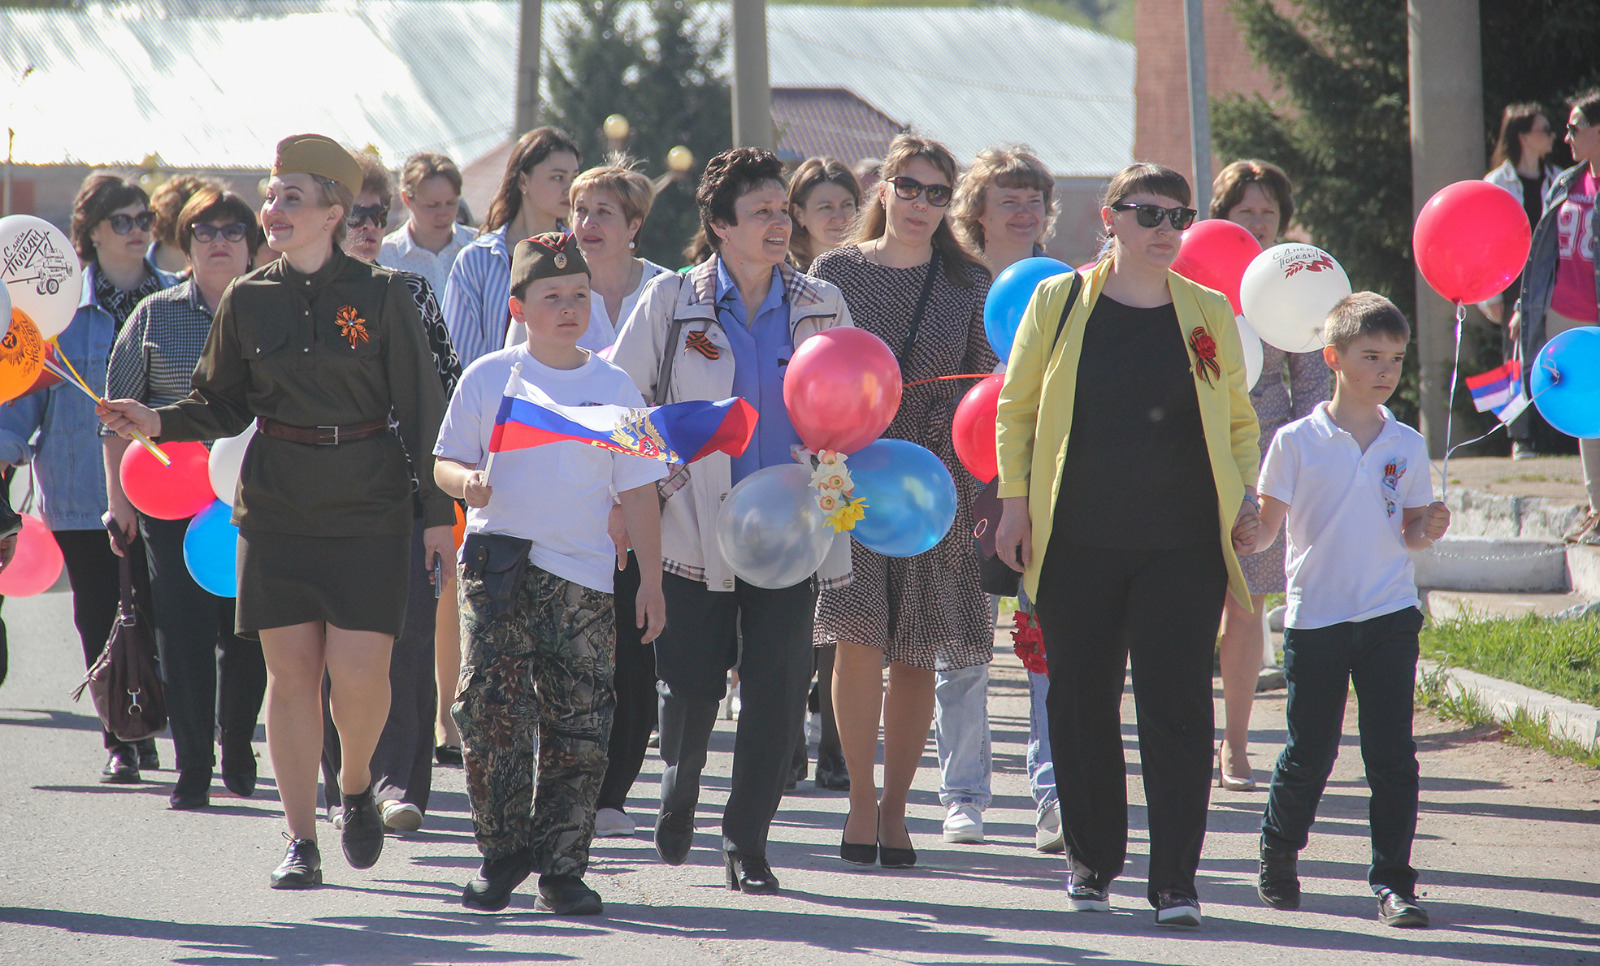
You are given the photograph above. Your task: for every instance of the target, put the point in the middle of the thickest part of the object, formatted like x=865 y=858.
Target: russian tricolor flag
x=677 y=433
x=1497 y=389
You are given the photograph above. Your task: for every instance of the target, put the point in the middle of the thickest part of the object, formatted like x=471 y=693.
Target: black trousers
x=402 y=764
x=693 y=655
x=96 y=589
x=635 y=682
x=214 y=679
x=1380 y=657
x=1097 y=607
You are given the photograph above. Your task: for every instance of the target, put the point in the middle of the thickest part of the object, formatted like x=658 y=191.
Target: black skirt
x=355 y=583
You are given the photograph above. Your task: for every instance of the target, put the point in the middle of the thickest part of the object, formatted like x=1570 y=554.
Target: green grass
x=1557 y=657
x=1523 y=728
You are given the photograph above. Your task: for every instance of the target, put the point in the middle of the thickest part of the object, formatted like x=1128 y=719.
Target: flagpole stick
x=76 y=382
x=488 y=464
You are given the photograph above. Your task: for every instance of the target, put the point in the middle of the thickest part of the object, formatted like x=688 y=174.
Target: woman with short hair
x=1005 y=207
x=166 y=251
x=823 y=198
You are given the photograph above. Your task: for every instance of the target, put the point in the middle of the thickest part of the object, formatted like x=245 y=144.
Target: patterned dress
x=926 y=611
x=1291 y=385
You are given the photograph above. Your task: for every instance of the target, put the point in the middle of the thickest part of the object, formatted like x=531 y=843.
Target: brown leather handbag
x=125 y=683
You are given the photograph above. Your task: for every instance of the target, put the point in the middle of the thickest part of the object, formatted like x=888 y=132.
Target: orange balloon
x=21 y=356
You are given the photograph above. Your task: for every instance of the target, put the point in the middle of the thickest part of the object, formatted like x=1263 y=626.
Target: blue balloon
x=211 y=547
x=1566 y=382
x=911 y=499
x=1009 y=295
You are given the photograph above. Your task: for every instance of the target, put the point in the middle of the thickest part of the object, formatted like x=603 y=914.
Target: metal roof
x=216 y=83
x=830 y=123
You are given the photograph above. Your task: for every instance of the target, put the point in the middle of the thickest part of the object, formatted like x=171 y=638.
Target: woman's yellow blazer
x=1035 y=417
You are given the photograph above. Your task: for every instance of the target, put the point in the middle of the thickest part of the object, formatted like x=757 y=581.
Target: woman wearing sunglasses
x=322 y=351
x=909 y=281
x=111 y=221
x=1128 y=455
x=201 y=656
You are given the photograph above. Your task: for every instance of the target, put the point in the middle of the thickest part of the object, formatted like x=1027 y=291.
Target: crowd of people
x=585 y=607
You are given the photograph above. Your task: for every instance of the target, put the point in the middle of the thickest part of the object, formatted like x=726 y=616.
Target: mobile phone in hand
x=438 y=576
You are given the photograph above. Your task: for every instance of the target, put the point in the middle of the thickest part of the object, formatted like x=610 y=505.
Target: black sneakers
x=301 y=867
x=566 y=895
x=122 y=766
x=363 y=830
x=1175 y=910
x=491 y=890
x=1400 y=911
x=1279 y=882
x=674 y=835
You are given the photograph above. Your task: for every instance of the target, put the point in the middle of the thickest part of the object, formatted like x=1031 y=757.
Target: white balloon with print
x=1287 y=293
x=1250 y=345
x=41 y=272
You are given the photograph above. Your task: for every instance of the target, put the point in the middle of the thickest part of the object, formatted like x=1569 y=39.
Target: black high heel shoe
x=891 y=858
x=857 y=853
x=750 y=874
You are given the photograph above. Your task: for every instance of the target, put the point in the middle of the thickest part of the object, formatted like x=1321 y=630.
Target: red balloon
x=37 y=564
x=1215 y=254
x=1471 y=240
x=842 y=389
x=174 y=492
x=973 y=428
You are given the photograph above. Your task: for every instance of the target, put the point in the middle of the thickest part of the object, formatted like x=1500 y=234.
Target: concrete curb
x=1504 y=564
x=1565 y=719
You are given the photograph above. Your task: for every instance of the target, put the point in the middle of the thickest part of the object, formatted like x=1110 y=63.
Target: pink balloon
x=1215 y=254
x=174 y=492
x=1471 y=239
x=842 y=389
x=38 y=561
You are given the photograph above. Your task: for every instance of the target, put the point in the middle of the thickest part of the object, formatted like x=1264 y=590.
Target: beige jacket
x=689 y=519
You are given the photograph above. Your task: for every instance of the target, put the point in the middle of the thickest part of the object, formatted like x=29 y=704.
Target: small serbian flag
x=1499 y=391
x=678 y=433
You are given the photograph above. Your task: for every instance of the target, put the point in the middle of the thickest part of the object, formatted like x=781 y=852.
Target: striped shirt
x=477 y=297
x=155 y=354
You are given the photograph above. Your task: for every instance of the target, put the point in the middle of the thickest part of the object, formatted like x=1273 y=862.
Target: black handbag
x=497 y=561
x=125 y=682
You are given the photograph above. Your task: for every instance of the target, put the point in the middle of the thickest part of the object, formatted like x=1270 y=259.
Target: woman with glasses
x=533 y=198
x=909 y=281
x=1561 y=281
x=823 y=198
x=1128 y=455
x=111 y=221
x=214 y=678
x=322 y=351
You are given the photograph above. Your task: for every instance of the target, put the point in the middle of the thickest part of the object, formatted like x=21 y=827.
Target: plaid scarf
x=121 y=303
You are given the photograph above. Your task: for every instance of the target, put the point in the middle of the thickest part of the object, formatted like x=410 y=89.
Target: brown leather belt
x=322 y=435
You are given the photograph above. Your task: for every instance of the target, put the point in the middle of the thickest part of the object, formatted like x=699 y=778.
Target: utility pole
x=752 y=90
x=528 y=69
x=1194 y=32
x=1446 y=146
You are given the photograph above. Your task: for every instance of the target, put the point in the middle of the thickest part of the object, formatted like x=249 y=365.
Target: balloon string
x=1450 y=407
x=70 y=376
x=971 y=375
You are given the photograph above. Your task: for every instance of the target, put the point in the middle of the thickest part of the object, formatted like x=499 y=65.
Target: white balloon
x=41 y=272
x=227 y=459
x=1253 y=358
x=771 y=530
x=1287 y=292
x=5 y=307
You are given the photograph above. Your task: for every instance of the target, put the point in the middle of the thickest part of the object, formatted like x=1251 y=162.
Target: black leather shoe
x=122 y=766
x=239 y=766
x=447 y=755
x=1279 y=882
x=363 y=830
x=832 y=774
x=750 y=873
x=149 y=757
x=895 y=858
x=674 y=836
x=301 y=867
x=1400 y=911
x=491 y=890
x=566 y=895
x=192 y=790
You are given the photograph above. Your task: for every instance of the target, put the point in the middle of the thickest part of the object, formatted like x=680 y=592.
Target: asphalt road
x=1509 y=847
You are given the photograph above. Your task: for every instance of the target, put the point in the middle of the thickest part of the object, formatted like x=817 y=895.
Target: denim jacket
x=1539 y=275
x=57 y=429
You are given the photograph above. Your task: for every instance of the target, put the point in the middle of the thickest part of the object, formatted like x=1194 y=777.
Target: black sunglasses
x=122 y=224
x=1150 y=216
x=205 y=233
x=908 y=188
x=359 y=215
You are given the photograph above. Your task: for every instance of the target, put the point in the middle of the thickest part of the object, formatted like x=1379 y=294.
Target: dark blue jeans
x=1380 y=657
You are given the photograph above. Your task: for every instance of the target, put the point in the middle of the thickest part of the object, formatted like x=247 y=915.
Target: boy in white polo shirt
x=1356 y=488
x=536 y=579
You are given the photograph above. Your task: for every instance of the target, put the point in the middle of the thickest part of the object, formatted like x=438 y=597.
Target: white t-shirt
x=558 y=495
x=601 y=333
x=1347 y=560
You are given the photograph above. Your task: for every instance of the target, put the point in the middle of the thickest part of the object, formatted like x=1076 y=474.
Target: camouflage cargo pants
x=536 y=678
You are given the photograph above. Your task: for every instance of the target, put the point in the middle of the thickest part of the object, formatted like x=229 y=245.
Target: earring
x=633 y=245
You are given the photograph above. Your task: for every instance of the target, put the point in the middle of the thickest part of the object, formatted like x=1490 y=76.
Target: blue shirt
x=761 y=351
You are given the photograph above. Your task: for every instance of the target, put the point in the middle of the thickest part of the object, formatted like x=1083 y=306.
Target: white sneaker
x=1047 y=835
x=613 y=823
x=401 y=816
x=964 y=824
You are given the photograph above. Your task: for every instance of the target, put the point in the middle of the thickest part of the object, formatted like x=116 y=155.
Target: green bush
x=1558 y=657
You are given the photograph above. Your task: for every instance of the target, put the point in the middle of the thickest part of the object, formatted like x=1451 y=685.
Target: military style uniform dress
x=325 y=530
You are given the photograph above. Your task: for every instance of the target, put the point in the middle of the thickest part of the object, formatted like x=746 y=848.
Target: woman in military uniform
x=318 y=348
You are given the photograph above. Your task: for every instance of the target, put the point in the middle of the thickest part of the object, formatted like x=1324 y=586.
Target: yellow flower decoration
x=847 y=516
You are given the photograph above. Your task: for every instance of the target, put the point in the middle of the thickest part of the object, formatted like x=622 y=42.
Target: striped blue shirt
x=477 y=296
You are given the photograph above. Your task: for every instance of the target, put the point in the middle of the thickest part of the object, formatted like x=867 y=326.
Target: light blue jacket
x=56 y=428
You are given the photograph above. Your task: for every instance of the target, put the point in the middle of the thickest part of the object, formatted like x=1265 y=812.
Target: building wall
x=47 y=190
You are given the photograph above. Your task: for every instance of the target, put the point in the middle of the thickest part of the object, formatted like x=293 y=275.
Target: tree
x=651 y=63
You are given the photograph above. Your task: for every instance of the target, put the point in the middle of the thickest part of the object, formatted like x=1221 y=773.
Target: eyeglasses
x=360 y=215
x=1150 y=215
x=122 y=224
x=907 y=189
x=1573 y=129
x=206 y=233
